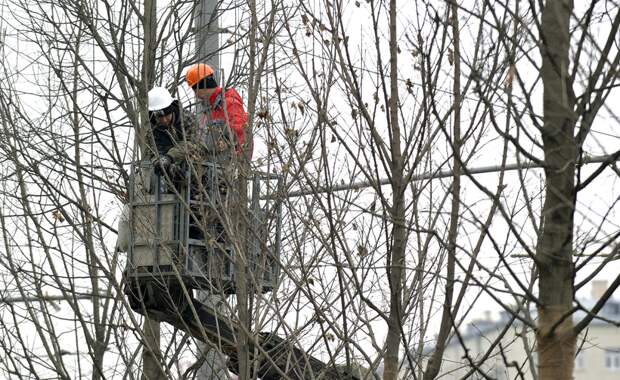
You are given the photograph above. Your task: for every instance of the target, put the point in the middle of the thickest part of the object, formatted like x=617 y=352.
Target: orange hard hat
x=197 y=72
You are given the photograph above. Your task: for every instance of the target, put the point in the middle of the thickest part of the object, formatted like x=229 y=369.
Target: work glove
x=176 y=172
x=161 y=164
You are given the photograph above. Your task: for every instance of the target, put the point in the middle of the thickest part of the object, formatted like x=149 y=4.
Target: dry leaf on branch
x=57 y=215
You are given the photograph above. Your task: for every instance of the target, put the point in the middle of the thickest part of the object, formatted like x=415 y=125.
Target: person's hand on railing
x=161 y=164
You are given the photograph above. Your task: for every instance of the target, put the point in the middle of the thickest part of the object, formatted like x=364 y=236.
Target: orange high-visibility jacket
x=227 y=109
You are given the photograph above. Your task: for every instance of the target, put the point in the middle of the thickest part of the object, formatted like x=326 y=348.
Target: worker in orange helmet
x=223 y=113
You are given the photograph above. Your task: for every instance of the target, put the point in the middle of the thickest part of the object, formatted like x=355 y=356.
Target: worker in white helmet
x=169 y=124
x=170 y=127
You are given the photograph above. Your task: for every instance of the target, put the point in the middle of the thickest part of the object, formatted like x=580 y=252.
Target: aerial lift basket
x=181 y=229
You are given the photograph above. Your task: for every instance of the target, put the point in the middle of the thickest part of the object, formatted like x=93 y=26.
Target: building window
x=612 y=359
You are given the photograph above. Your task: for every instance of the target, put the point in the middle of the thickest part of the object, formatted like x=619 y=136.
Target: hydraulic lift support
x=178 y=245
x=279 y=358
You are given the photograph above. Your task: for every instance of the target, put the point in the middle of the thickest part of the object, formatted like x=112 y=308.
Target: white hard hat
x=159 y=98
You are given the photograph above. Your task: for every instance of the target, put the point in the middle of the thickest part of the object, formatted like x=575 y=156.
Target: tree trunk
x=448 y=312
x=555 y=337
x=150 y=352
x=396 y=256
x=151 y=369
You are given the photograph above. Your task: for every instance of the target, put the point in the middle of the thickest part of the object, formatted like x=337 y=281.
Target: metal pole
x=47 y=298
x=208 y=51
x=207 y=34
x=443 y=174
